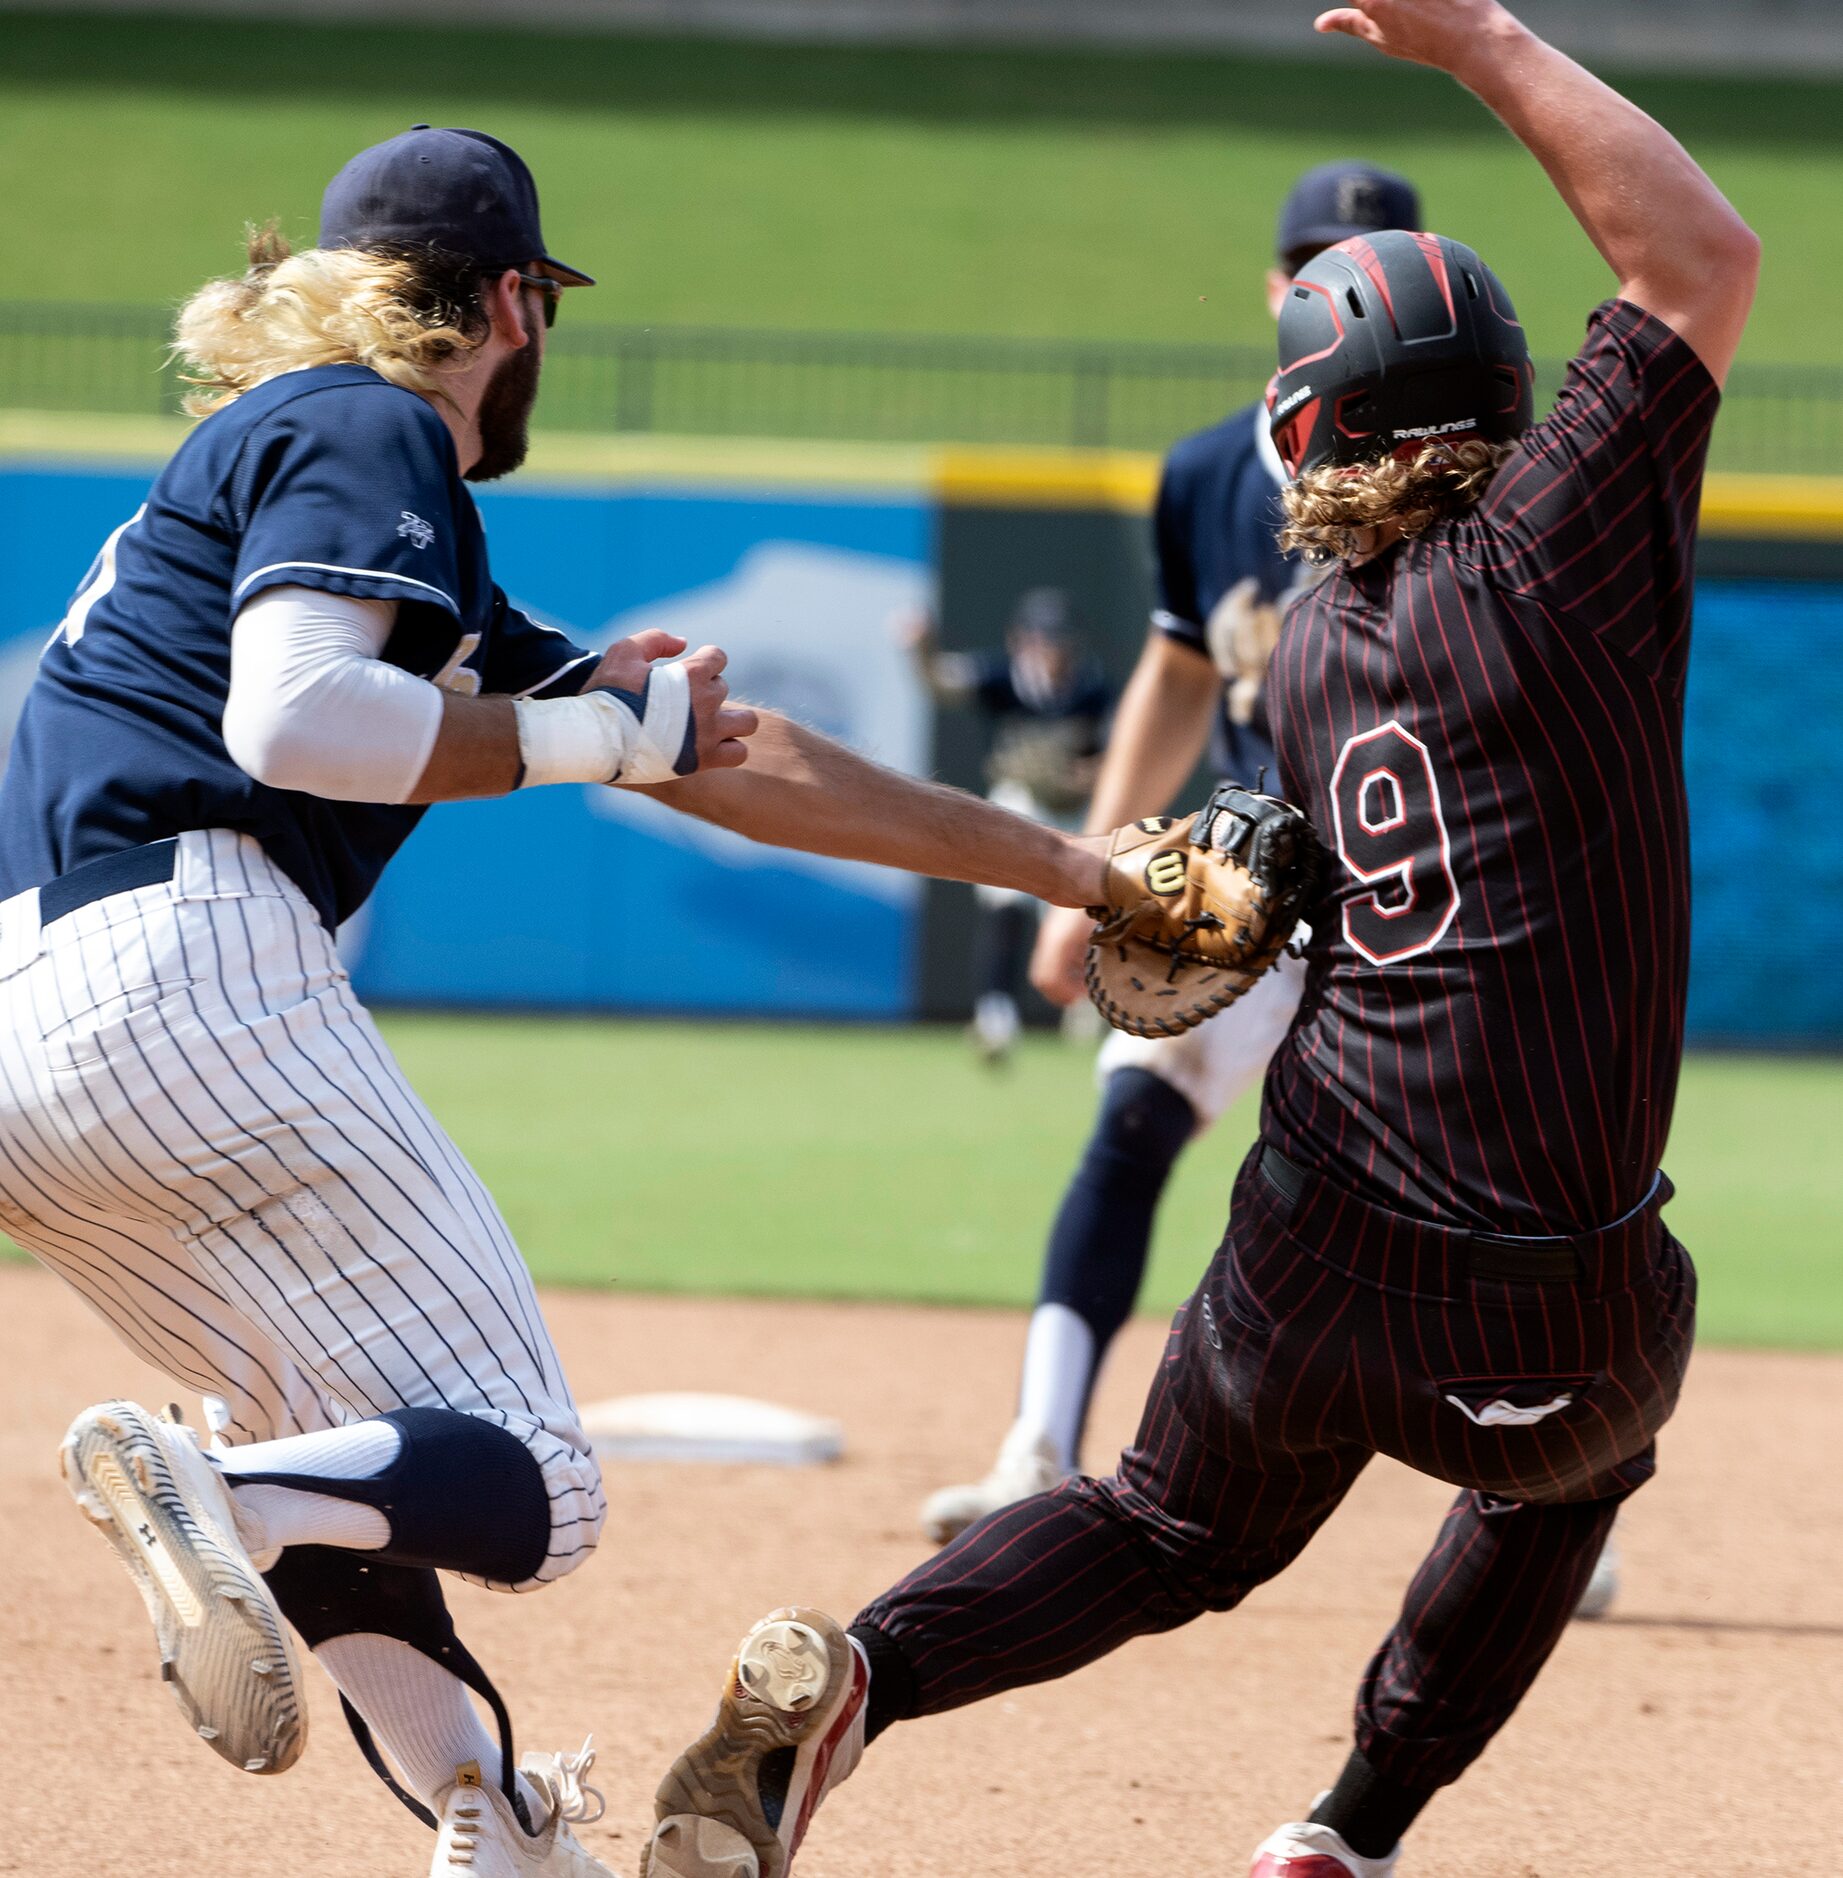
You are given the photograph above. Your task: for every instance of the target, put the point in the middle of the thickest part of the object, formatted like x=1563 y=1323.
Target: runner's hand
x=1440 y=33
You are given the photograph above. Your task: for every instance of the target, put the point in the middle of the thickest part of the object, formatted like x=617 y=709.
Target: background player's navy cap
x=1045 y=613
x=456 y=189
x=1338 y=200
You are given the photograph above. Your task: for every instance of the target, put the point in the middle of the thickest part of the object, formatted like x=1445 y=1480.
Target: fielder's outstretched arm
x=801 y=790
x=1675 y=244
x=314 y=707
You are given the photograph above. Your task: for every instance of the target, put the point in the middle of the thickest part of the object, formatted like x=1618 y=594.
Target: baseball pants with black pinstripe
x=1533 y=1375
x=203 y=1132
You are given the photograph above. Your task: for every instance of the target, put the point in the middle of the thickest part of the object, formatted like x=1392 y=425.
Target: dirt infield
x=1696 y=1732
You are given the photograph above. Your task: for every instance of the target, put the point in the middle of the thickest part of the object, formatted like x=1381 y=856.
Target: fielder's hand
x=1059 y=959
x=1440 y=33
x=721 y=726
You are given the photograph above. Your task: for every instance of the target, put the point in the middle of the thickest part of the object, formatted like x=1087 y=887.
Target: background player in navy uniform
x=1446 y=1245
x=290 y=649
x=1197 y=686
x=1047 y=701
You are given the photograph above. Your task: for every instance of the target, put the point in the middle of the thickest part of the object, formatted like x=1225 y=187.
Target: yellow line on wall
x=87 y=437
x=1789 y=508
x=1047 y=479
x=556 y=456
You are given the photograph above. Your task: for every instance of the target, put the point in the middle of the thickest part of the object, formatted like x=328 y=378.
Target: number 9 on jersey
x=1391 y=834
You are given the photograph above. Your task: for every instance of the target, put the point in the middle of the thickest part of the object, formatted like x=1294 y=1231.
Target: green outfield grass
x=1100 y=195
x=886 y=1164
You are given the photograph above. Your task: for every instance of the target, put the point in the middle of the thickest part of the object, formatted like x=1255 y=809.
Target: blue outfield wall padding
x=591 y=898
x=576 y=898
x=1763 y=750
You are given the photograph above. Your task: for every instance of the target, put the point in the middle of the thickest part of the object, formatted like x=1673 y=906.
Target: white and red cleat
x=1303 y=1850
x=789 y=1728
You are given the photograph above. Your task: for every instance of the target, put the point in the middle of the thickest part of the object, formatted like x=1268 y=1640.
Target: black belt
x=1548 y=1260
x=113 y=873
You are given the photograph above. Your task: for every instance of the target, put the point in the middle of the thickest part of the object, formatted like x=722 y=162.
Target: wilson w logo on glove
x=1167 y=872
x=1197 y=909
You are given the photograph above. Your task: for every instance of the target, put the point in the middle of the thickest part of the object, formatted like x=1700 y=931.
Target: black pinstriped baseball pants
x=1327 y=1330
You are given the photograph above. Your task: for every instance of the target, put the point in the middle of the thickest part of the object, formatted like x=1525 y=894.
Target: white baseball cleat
x=995 y=1027
x=1303 y=1850
x=789 y=1728
x=225 y=1651
x=478 y=1835
x=1027 y=1464
x=1603 y=1586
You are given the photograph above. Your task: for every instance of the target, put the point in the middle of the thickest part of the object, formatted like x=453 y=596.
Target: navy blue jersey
x=1214 y=526
x=329 y=478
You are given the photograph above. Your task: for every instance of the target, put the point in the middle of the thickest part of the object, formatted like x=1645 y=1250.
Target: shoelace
x=574 y=1794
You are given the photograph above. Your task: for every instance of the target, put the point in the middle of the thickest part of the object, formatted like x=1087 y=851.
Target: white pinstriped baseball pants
x=202 y=1131
x=1217 y=1063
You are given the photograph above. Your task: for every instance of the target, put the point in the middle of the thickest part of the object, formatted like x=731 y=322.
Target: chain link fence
x=693 y=381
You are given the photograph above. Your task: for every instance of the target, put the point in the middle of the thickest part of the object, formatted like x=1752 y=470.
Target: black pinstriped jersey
x=1486 y=726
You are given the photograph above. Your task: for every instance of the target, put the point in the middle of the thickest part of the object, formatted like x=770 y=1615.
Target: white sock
x=291 y=1517
x=1058 y=1372
x=422 y=1714
x=296 y=1516
x=356 y=1453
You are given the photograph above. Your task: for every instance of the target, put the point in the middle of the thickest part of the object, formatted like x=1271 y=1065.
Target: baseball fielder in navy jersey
x=1446 y=1245
x=291 y=649
x=1046 y=701
x=1198 y=686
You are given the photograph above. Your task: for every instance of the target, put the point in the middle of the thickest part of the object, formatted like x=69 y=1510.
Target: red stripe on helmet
x=1366 y=258
x=1497 y=306
x=1312 y=358
x=1343 y=429
x=1435 y=255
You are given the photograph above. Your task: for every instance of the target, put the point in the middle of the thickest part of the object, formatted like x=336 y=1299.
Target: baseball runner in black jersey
x=1198 y=686
x=1446 y=1244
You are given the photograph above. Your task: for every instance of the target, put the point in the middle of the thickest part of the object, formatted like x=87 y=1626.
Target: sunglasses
x=550 y=291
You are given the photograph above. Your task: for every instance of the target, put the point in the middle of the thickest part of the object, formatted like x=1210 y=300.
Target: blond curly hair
x=1333 y=511
x=404 y=313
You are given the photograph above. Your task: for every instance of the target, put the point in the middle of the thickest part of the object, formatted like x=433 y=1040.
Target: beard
x=505 y=415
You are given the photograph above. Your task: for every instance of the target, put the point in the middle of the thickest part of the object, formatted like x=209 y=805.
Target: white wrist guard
x=644 y=736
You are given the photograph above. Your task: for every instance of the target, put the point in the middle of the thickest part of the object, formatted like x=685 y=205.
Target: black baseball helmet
x=1393 y=340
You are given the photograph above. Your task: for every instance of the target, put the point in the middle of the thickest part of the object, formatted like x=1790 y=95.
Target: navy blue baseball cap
x=1045 y=613
x=455 y=189
x=1338 y=200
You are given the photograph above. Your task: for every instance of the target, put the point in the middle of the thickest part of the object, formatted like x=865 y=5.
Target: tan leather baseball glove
x=1197 y=909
